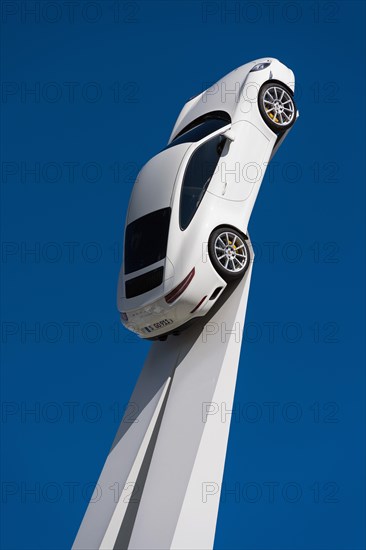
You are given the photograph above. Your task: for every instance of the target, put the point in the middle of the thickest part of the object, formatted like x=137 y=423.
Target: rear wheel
x=276 y=106
x=229 y=253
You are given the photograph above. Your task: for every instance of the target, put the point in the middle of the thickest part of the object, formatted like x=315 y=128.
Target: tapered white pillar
x=168 y=455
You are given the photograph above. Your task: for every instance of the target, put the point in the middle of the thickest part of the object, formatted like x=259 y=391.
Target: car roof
x=154 y=185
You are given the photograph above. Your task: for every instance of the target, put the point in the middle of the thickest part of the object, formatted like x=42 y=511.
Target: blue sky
x=89 y=94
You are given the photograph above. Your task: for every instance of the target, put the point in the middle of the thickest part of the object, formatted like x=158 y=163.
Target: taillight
x=178 y=290
x=199 y=304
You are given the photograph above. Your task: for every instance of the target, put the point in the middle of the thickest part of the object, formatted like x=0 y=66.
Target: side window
x=197 y=177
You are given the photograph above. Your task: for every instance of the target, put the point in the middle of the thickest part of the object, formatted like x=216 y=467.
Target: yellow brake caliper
x=234 y=247
x=271 y=115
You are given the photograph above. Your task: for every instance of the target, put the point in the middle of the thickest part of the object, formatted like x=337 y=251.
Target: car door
x=242 y=164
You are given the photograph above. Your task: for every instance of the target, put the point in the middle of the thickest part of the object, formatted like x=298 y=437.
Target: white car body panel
x=228 y=200
x=236 y=180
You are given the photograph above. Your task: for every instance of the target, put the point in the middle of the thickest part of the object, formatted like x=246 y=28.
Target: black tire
x=234 y=249
x=280 y=114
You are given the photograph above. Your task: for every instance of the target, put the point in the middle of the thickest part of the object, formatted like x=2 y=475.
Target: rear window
x=146 y=240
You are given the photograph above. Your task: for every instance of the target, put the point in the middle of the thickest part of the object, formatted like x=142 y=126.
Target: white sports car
x=187 y=220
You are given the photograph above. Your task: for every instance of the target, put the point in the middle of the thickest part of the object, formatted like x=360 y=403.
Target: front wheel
x=229 y=253
x=277 y=106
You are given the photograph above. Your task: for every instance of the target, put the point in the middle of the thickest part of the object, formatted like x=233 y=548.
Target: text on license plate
x=159 y=324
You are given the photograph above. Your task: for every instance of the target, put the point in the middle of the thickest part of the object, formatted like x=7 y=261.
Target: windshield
x=199 y=130
x=146 y=240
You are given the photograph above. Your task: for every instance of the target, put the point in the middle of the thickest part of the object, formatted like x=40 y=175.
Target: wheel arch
x=221 y=225
x=275 y=81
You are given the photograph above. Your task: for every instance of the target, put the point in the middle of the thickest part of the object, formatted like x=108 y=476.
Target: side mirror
x=229 y=134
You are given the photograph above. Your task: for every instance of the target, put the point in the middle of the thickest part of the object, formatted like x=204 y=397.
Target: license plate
x=158 y=325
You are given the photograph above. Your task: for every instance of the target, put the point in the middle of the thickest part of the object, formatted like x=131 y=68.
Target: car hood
x=155 y=182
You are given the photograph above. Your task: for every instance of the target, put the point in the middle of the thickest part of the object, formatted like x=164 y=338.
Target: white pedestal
x=168 y=456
